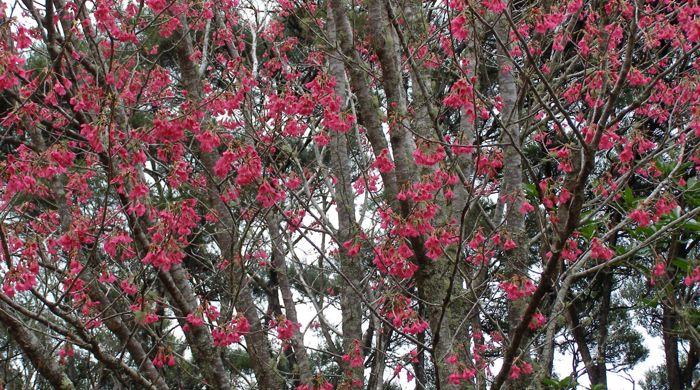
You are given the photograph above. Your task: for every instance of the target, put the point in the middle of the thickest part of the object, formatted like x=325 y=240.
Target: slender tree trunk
x=367 y=110
x=351 y=268
x=516 y=260
x=35 y=350
x=420 y=76
x=258 y=345
x=579 y=333
x=670 y=338
x=691 y=363
x=401 y=141
x=601 y=372
x=303 y=368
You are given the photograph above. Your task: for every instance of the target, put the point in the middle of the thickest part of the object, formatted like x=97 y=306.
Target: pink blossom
x=454 y=378
x=322 y=139
x=268 y=195
x=426 y=158
x=659 y=269
x=195 y=320
x=285 y=329
x=509 y=245
x=518 y=288
x=128 y=288
x=537 y=321
x=515 y=372
x=383 y=162
x=434 y=247
x=694 y=277
x=641 y=217
x=352 y=248
x=294 y=129
x=208 y=141
x=106 y=277
x=452 y=359
x=495 y=6
x=526 y=208
x=476 y=241
x=223 y=165
x=627 y=154
x=458 y=27
x=600 y=251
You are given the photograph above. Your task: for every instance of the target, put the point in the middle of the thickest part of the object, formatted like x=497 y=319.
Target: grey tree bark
x=35 y=350
x=350 y=306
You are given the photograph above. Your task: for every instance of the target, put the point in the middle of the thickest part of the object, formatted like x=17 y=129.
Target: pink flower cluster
x=395 y=261
x=285 y=329
x=495 y=6
x=383 y=162
x=462 y=96
x=600 y=251
x=458 y=27
x=161 y=359
x=231 y=332
x=537 y=321
x=516 y=371
x=693 y=278
x=428 y=158
x=21 y=277
x=641 y=217
x=319 y=384
x=519 y=287
x=457 y=377
x=269 y=193
x=354 y=357
x=245 y=161
x=163 y=259
x=398 y=310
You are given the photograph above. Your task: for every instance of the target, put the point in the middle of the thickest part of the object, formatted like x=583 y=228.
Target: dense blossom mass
x=334 y=194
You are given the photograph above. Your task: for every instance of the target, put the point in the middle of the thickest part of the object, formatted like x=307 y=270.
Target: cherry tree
x=348 y=194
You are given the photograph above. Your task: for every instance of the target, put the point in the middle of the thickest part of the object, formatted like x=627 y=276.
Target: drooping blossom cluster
x=231 y=332
x=398 y=309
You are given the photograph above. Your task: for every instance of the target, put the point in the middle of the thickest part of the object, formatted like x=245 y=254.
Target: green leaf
x=628 y=197
x=693 y=201
x=531 y=191
x=650 y=303
x=692 y=192
x=681 y=264
x=640 y=233
x=588 y=231
x=567 y=383
x=693 y=226
x=139 y=316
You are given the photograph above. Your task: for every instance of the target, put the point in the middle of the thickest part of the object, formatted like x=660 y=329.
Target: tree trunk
x=670 y=338
x=516 y=260
x=303 y=368
x=35 y=351
x=351 y=268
